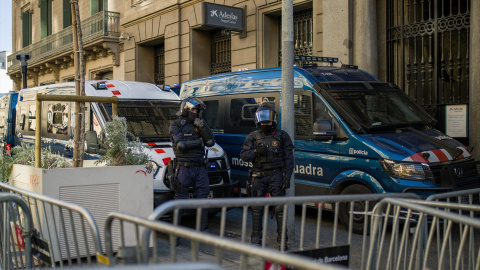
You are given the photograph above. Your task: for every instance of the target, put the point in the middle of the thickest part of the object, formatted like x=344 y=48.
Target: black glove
x=260 y=150
x=286 y=182
x=198 y=122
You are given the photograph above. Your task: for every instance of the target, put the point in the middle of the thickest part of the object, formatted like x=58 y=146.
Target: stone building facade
x=425 y=47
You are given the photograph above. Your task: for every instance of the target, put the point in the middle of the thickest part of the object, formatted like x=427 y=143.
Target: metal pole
x=287 y=97
x=24 y=76
x=38 y=134
x=79 y=135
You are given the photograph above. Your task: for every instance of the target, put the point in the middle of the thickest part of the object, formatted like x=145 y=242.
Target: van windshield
x=146 y=119
x=380 y=108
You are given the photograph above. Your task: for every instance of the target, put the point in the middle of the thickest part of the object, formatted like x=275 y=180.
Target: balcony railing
x=102 y=24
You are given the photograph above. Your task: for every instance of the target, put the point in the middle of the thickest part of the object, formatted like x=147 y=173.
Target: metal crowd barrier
x=468 y=196
x=65 y=233
x=423 y=235
x=250 y=256
x=15 y=232
x=359 y=207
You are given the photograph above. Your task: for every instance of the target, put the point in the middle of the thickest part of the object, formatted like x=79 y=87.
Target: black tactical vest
x=273 y=159
x=190 y=132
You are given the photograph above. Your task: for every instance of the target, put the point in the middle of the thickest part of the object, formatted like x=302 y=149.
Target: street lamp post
x=287 y=97
x=23 y=57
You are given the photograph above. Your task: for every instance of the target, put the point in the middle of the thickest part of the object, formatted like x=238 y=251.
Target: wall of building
x=6 y=84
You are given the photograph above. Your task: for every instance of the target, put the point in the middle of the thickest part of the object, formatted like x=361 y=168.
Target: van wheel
x=344 y=211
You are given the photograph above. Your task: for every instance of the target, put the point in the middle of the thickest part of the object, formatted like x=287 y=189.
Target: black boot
x=279 y=218
x=257 y=216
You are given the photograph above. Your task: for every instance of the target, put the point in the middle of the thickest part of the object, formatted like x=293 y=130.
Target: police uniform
x=271 y=170
x=189 y=135
x=190 y=162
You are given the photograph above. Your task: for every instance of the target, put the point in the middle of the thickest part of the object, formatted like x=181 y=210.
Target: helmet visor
x=194 y=104
x=265 y=115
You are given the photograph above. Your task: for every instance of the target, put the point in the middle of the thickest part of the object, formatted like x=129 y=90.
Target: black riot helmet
x=191 y=103
x=265 y=113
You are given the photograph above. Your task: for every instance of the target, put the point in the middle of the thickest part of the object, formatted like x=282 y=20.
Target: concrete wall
x=337 y=30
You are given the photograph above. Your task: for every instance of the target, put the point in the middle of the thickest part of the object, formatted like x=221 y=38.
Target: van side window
x=242 y=112
x=32 y=112
x=303 y=115
x=321 y=111
x=211 y=114
x=57 y=118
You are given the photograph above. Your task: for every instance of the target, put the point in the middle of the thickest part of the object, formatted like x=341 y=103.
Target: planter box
x=101 y=190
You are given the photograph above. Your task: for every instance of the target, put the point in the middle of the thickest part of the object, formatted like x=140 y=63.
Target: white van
x=149 y=109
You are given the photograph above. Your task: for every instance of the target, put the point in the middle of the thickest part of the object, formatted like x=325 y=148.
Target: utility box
x=101 y=190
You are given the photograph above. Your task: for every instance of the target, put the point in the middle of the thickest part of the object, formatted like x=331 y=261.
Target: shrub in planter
x=25 y=155
x=123 y=148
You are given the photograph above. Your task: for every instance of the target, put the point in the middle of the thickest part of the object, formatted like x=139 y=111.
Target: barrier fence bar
x=61 y=230
x=421 y=235
x=254 y=256
x=469 y=196
x=354 y=208
x=15 y=232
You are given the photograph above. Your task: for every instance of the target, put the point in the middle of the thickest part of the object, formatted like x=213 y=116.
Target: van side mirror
x=322 y=130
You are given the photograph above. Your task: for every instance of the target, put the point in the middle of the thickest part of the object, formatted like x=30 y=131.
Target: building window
x=67 y=13
x=302 y=33
x=159 y=54
x=221 y=53
x=97 y=6
x=45 y=18
x=26 y=28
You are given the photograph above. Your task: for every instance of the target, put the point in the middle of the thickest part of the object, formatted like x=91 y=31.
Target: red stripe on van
x=110 y=85
x=116 y=92
x=418 y=158
x=151 y=143
x=159 y=151
x=166 y=160
x=440 y=155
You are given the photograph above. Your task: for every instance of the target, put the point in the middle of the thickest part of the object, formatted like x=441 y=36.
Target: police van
x=149 y=109
x=353 y=133
x=8 y=102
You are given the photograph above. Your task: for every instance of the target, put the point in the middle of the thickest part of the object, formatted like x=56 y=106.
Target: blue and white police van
x=148 y=109
x=353 y=133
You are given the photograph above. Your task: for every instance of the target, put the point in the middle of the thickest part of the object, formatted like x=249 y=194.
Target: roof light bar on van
x=303 y=58
x=100 y=85
x=165 y=87
x=349 y=66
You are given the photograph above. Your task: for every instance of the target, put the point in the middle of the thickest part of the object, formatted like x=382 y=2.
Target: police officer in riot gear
x=190 y=134
x=271 y=151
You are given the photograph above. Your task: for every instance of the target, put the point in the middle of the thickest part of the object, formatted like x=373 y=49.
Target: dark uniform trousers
x=273 y=185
